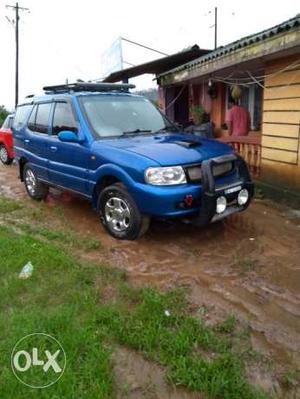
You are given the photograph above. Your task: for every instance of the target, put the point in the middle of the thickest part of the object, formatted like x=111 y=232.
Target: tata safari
x=122 y=154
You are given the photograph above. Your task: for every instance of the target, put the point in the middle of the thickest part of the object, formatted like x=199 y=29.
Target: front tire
x=35 y=189
x=119 y=214
x=4 y=157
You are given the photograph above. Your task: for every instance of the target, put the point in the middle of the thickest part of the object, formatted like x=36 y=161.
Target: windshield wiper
x=166 y=129
x=136 y=131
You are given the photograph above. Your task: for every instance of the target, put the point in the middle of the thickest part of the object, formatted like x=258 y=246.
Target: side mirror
x=69 y=137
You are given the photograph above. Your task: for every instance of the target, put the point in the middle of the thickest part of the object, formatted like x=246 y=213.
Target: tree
x=3 y=114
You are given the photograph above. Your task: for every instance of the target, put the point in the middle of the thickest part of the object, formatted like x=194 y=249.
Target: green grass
x=7 y=205
x=291 y=377
x=195 y=356
x=227 y=326
x=91 y=308
x=65 y=237
x=58 y=299
x=37 y=225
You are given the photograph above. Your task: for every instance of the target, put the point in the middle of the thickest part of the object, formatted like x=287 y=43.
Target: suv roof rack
x=87 y=86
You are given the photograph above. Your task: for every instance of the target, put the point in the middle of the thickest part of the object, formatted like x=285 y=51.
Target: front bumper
x=168 y=201
x=212 y=191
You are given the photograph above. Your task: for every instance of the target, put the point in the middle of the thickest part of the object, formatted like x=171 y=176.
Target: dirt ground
x=248 y=265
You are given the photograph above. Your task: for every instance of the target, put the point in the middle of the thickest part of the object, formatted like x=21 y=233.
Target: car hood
x=172 y=149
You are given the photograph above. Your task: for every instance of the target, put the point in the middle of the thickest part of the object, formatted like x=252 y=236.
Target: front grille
x=194 y=173
x=222 y=169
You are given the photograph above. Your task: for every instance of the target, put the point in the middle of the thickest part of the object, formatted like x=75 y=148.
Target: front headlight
x=165 y=176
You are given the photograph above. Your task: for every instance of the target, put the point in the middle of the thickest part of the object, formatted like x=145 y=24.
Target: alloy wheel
x=117 y=214
x=3 y=154
x=30 y=181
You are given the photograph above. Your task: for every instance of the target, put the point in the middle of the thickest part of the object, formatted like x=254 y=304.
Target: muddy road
x=248 y=265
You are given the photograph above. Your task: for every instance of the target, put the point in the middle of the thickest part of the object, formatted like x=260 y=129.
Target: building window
x=251 y=99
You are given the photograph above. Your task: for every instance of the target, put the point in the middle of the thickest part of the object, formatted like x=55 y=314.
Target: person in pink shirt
x=237 y=119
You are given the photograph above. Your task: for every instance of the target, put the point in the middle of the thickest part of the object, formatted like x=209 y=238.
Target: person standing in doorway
x=237 y=119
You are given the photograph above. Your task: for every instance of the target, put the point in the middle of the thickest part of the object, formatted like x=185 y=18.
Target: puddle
x=294 y=214
x=248 y=265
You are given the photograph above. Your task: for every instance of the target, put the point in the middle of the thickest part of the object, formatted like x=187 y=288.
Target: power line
x=128 y=63
x=142 y=45
x=17 y=8
x=10 y=21
x=246 y=81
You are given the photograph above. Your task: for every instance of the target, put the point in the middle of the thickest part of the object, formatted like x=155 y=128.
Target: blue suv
x=120 y=152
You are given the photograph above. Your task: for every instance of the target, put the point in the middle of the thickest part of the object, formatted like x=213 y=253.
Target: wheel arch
x=102 y=183
x=105 y=176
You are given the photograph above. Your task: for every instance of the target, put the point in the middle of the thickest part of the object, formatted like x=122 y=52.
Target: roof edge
x=240 y=43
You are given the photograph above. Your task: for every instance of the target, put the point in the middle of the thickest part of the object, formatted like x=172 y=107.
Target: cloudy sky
x=64 y=39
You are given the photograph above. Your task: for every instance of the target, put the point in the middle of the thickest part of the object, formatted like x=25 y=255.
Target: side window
x=20 y=118
x=31 y=121
x=63 y=118
x=42 y=118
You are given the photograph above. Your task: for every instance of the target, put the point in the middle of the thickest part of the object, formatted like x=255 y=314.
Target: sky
x=64 y=39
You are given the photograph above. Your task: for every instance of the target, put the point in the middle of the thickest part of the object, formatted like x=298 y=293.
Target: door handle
x=53 y=148
x=27 y=141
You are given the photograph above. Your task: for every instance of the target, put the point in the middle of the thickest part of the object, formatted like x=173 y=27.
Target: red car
x=6 y=141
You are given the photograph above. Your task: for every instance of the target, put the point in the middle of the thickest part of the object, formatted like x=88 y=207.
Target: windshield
x=119 y=115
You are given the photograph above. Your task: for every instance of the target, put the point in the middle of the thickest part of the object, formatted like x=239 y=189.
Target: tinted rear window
x=21 y=116
x=42 y=118
x=31 y=120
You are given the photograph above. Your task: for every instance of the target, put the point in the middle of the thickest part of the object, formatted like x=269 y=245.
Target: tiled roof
x=238 y=44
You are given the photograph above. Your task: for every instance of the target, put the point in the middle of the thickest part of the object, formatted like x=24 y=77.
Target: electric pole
x=216 y=27
x=17 y=8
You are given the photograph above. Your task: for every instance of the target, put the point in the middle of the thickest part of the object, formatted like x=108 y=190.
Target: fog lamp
x=221 y=204
x=243 y=197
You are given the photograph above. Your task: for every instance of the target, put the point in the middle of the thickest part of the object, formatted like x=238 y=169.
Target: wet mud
x=248 y=265
x=138 y=378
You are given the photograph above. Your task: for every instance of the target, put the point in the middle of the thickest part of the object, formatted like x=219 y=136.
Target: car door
x=68 y=162
x=36 y=138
